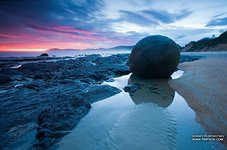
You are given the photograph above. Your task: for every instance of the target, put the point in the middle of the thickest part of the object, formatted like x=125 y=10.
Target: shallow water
x=152 y=117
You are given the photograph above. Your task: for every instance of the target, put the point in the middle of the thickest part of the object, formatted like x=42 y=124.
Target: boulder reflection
x=155 y=91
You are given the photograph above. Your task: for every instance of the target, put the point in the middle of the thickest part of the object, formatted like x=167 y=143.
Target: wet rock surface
x=188 y=58
x=52 y=97
x=4 y=79
x=131 y=88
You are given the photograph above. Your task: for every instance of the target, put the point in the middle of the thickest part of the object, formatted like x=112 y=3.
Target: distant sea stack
x=208 y=44
x=154 y=57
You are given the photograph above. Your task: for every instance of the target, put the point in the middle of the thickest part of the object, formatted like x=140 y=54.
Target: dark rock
x=154 y=57
x=56 y=121
x=4 y=79
x=121 y=71
x=33 y=86
x=44 y=54
x=43 y=75
x=131 y=88
x=98 y=92
x=189 y=58
x=99 y=76
x=110 y=80
x=65 y=81
x=55 y=95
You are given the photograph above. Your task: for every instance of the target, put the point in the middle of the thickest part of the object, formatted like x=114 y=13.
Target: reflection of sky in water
x=117 y=123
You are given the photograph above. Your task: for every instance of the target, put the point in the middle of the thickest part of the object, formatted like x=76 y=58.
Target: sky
x=37 y=25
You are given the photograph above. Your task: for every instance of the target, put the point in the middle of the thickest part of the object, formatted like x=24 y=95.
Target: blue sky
x=43 y=24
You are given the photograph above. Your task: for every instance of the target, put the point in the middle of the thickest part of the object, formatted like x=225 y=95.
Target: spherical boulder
x=154 y=57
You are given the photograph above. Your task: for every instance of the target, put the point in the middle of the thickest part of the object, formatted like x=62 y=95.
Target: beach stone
x=131 y=88
x=4 y=79
x=44 y=54
x=154 y=57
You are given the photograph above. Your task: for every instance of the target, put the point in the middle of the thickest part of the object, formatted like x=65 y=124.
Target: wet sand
x=204 y=87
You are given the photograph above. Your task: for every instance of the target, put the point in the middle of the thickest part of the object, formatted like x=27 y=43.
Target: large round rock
x=154 y=57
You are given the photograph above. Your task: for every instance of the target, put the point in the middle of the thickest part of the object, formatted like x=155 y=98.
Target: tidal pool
x=153 y=116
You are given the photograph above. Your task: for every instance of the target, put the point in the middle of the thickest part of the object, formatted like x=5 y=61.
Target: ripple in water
x=145 y=126
x=152 y=117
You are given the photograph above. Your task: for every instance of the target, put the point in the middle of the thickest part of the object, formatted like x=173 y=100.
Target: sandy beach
x=203 y=85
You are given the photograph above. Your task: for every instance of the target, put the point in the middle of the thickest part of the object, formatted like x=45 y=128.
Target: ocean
x=62 y=53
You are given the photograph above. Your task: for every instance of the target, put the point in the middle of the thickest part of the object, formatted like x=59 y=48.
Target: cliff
x=208 y=44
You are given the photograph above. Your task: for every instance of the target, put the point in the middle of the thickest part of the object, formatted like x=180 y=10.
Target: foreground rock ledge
x=52 y=97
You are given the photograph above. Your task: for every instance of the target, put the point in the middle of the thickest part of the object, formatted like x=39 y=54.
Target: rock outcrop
x=52 y=97
x=154 y=57
x=4 y=79
x=208 y=44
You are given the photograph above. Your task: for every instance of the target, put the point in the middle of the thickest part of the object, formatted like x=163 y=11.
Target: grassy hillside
x=207 y=44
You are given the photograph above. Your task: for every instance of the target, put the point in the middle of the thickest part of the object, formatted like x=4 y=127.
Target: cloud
x=150 y=17
x=62 y=29
x=51 y=21
x=136 y=18
x=166 y=17
x=180 y=37
x=106 y=23
x=79 y=14
x=219 y=15
x=58 y=10
x=217 y=22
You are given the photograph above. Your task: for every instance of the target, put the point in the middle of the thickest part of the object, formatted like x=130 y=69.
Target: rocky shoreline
x=52 y=97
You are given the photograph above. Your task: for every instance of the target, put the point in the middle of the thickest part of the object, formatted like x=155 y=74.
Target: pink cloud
x=65 y=37
x=71 y=29
x=14 y=36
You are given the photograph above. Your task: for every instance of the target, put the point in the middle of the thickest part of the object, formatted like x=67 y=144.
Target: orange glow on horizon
x=24 y=50
x=35 y=47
